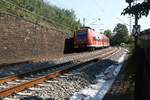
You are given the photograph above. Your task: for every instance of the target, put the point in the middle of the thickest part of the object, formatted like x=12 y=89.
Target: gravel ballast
x=63 y=87
x=19 y=68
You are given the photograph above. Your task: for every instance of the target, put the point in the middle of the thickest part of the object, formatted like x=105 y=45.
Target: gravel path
x=123 y=87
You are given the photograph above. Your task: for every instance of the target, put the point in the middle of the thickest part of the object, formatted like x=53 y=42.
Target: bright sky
x=109 y=12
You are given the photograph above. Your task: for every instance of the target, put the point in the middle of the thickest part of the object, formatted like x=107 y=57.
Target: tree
x=140 y=56
x=141 y=9
x=108 y=33
x=121 y=34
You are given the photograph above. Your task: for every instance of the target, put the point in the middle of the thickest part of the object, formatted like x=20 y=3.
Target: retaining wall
x=23 y=40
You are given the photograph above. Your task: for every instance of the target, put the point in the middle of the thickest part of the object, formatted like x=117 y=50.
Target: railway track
x=13 y=84
x=13 y=69
x=77 y=59
x=22 y=68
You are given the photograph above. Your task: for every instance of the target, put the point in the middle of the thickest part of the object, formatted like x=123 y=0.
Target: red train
x=88 y=38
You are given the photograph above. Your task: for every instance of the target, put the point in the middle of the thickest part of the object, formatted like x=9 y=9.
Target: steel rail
x=39 y=69
x=14 y=89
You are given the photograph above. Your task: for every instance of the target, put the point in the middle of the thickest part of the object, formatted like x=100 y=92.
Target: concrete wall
x=22 y=40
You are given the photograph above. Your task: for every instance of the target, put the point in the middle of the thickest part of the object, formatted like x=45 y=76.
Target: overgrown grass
x=37 y=11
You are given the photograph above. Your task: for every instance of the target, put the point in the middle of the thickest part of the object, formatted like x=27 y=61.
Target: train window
x=81 y=33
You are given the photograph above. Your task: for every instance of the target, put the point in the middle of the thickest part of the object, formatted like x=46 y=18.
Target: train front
x=80 y=39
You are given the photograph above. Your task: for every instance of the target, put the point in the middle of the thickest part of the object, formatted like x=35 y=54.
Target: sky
x=100 y=14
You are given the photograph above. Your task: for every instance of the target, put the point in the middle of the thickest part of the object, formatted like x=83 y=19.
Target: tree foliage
x=108 y=33
x=141 y=9
x=121 y=34
x=42 y=12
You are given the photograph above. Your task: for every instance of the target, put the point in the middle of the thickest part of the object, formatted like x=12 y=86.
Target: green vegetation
x=121 y=35
x=43 y=13
x=108 y=33
x=142 y=9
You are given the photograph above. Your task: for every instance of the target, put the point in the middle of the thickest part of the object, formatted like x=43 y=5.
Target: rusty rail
x=39 y=69
x=14 y=77
x=9 y=91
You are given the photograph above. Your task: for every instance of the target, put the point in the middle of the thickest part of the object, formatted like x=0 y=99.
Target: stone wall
x=22 y=40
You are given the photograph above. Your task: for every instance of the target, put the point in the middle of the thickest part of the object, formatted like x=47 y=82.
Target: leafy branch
x=141 y=9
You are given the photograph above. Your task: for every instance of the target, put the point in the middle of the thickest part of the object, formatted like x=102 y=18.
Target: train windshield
x=81 y=36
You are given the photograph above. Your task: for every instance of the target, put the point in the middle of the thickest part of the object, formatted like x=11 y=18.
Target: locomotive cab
x=80 y=39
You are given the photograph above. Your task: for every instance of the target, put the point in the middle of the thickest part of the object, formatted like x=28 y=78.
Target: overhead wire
x=99 y=10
